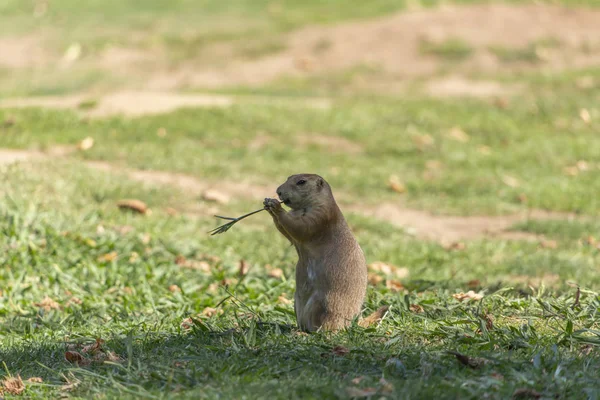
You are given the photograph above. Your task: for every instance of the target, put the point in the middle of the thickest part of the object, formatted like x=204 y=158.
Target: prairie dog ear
x=320 y=183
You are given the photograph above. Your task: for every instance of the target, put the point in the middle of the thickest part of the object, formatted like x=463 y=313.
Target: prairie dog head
x=304 y=191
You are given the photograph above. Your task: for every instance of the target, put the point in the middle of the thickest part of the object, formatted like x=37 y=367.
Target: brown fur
x=331 y=274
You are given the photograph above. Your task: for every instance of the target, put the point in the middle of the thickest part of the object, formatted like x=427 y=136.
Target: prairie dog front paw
x=273 y=206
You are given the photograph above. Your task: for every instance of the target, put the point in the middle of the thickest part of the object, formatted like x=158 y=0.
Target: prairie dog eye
x=301 y=182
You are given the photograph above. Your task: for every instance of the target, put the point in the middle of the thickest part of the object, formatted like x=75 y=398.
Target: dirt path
x=424 y=225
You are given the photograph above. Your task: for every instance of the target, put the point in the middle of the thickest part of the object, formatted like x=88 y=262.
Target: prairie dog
x=331 y=273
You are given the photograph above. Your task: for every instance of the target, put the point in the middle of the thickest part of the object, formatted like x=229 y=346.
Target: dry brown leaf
x=127 y=290
x=13 y=385
x=93 y=348
x=396 y=185
x=360 y=392
x=193 y=264
x=549 y=244
x=474 y=284
x=375 y=279
x=470 y=295
x=73 y=300
x=171 y=211
x=416 y=308
x=585 y=115
x=113 y=357
x=358 y=380
x=76 y=358
x=243 y=268
x=472 y=362
x=86 y=144
x=571 y=171
x=459 y=135
x=210 y=312
x=526 y=393
x=501 y=102
x=161 y=132
x=523 y=199
x=340 y=350
x=215 y=196
x=284 y=300
x=108 y=257
x=35 y=379
x=374 y=317
x=511 y=181
x=276 y=273
x=388 y=269
x=582 y=165
x=48 y=304
x=174 y=289
x=133 y=205
x=394 y=286
x=187 y=324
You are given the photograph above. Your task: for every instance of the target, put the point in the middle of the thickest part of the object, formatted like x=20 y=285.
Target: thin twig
x=232 y=221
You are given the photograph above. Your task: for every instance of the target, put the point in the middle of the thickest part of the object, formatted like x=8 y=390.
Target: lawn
x=102 y=302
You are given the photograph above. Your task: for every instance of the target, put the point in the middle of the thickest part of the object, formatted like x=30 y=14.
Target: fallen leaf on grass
x=76 y=358
x=416 y=308
x=73 y=300
x=243 y=268
x=284 y=300
x=187 y=323
x=133 y=205
x=549 y=244
x=340 y=350
x=215 y=196
x=357 y=380
x=161 y=132
x=276 y=273
x=459 y=135
x=13 y=385
x=396 y=184
x=360 y=392
x=35 y=379
x=526 y=393
x=375 y=279
x=470 y=295
x=474 y=284
x=94 y=347
x=585 y=115
x=394 y=286
x=48 y=304
x=471 y=362
x=174 y=289
x=209 y=312
x=108 y=257
x=511 y=181
x=86 y=144
x=193 y=264
x=388 y=269
x=374 y=317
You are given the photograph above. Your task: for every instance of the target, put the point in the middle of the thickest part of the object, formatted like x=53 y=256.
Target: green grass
x=59 y=220
x=134 y=280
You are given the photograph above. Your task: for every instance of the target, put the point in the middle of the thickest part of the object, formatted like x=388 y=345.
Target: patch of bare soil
x=124 y=103
x=21 y=52
x=393 y=43
x=133 y=103
x=444 y=229
x=456 y=86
